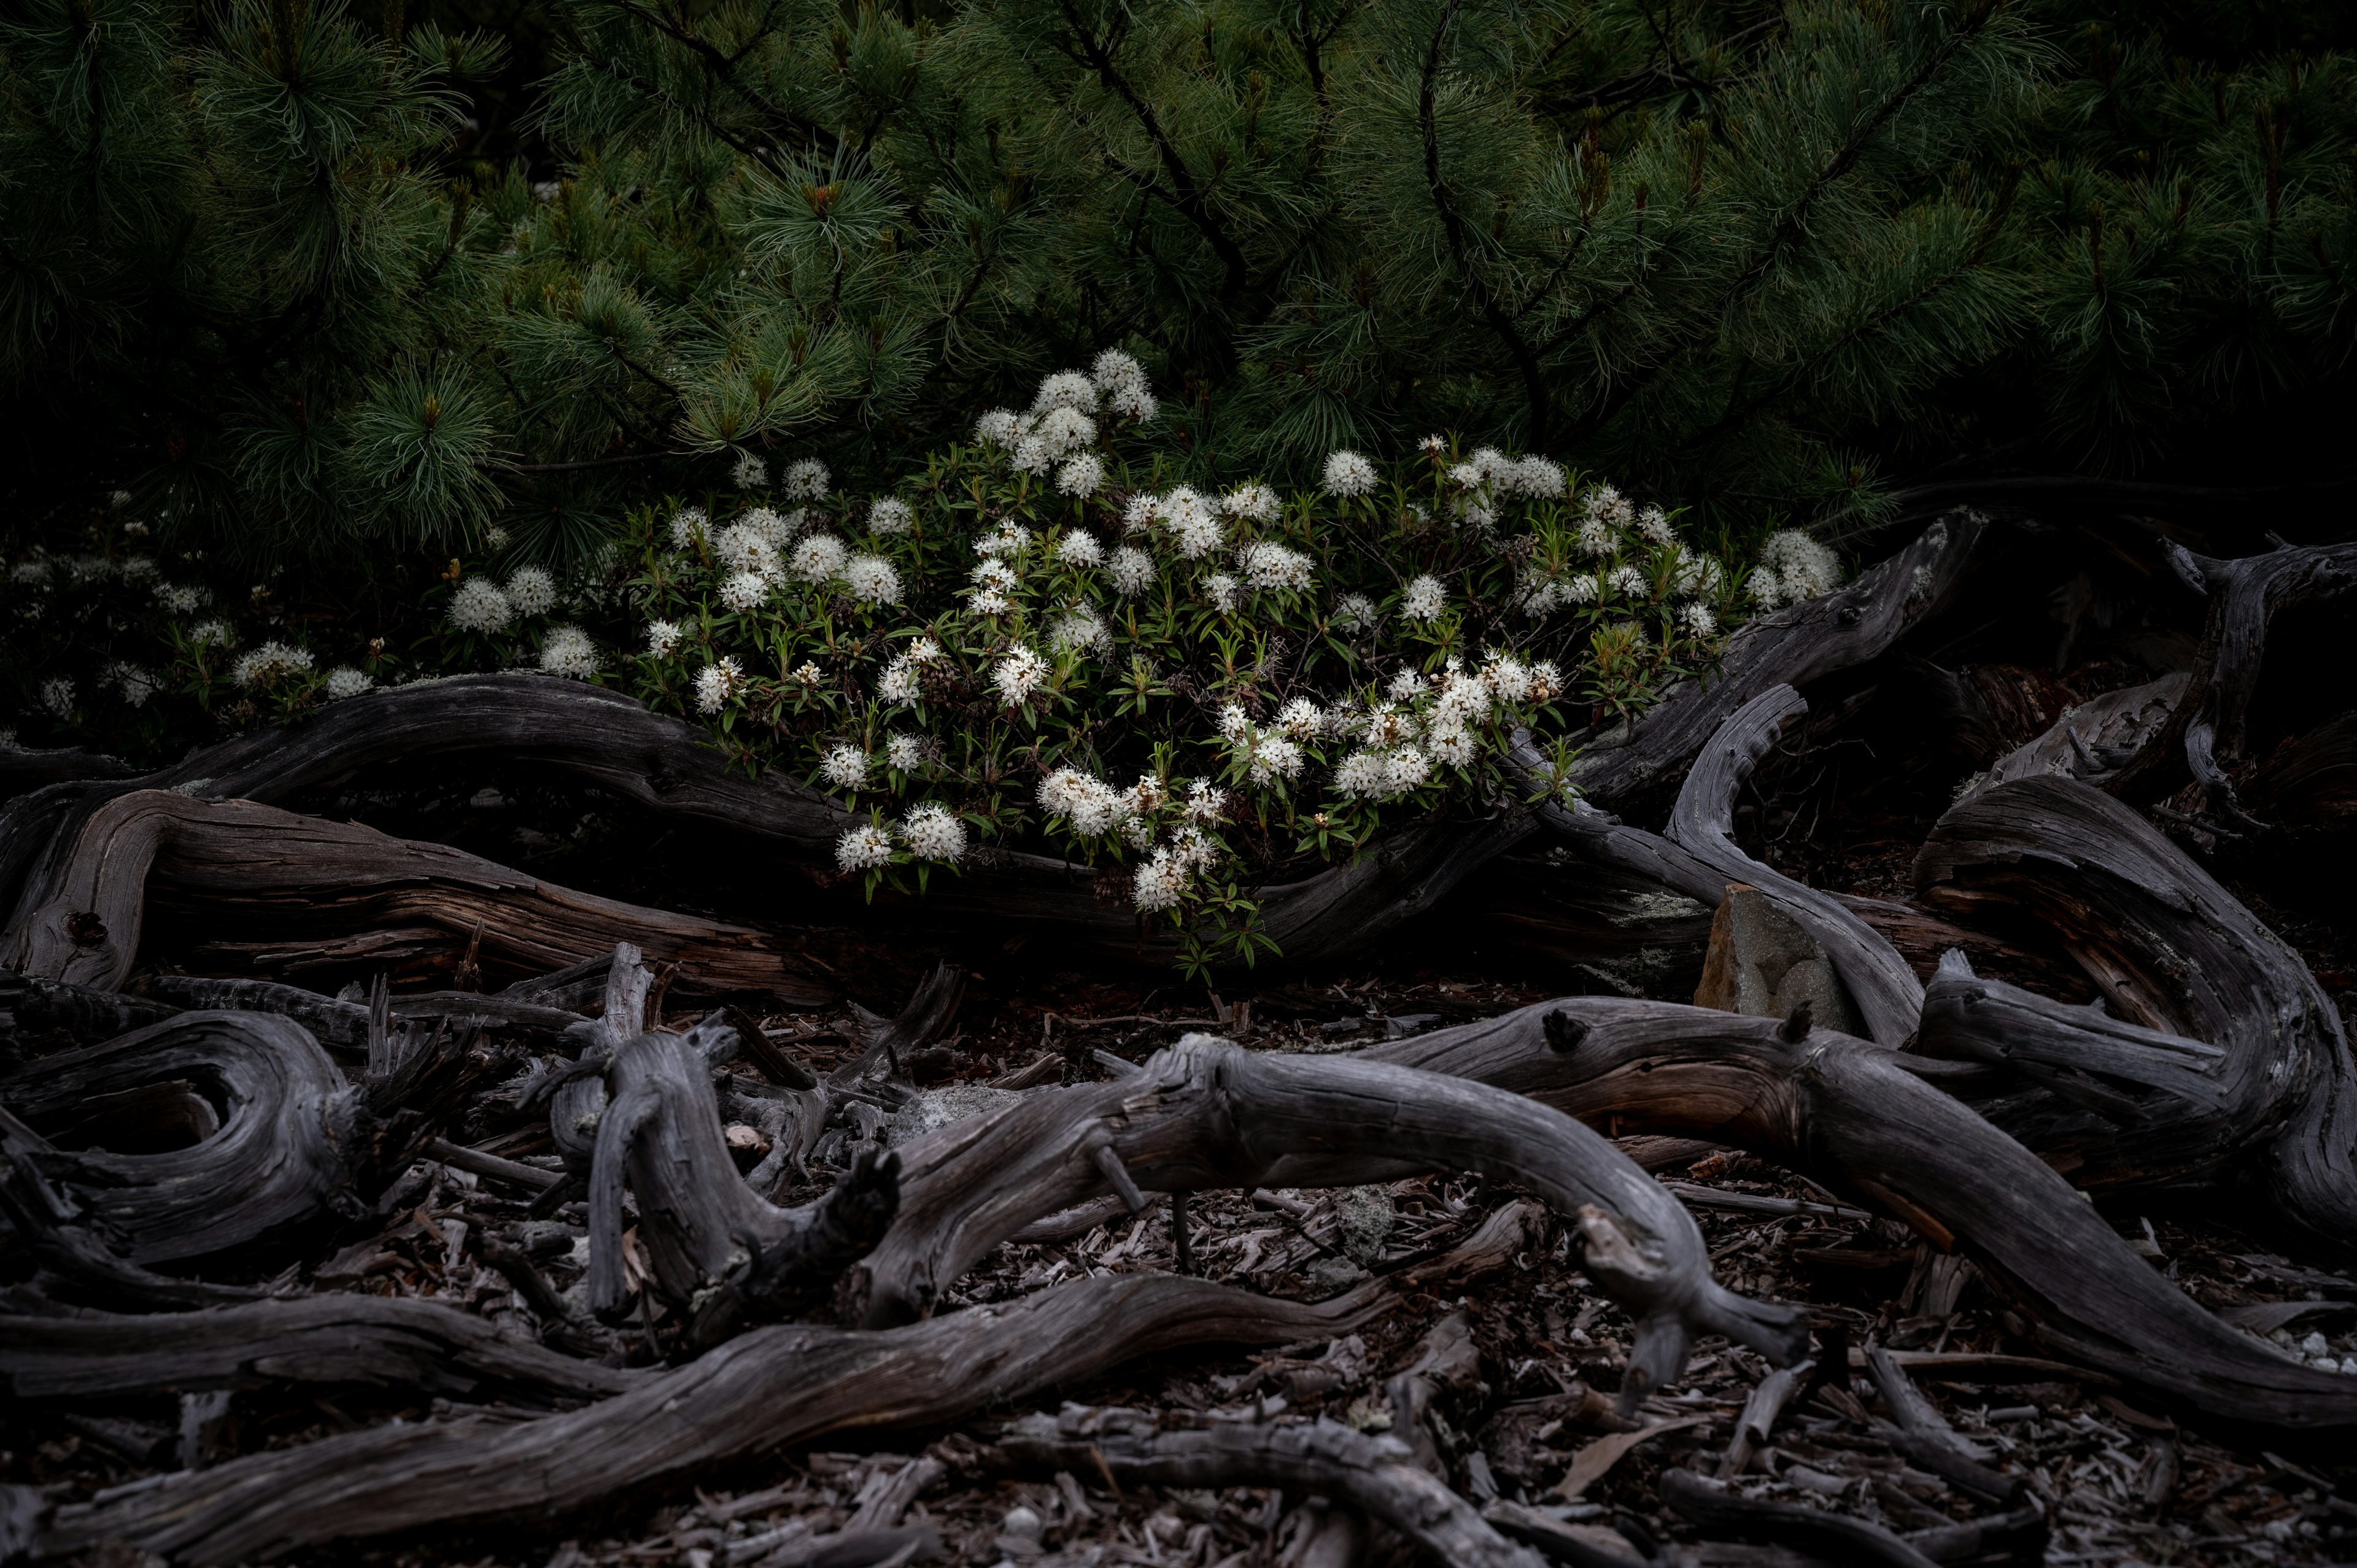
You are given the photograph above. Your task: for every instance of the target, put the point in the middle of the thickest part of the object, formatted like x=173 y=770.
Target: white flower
x=136 y=684
x=1205 y=802
x=888 y=515
x=1407 y=769
x=1018 y=674
x=765 y=524
x=717 y=684
x=58 y=696
x=1080 y=475
x=1537 y=478
x=1453 y=747
x=1063 y=430
x=1583 y=589
x=1385 y=726
x=1033 y=455
x=1273 y=756
x=1406 y=687
x=531 y=591
x=1255 y=502
x=569 y=650
x=1079 y=630
x=1464 y=700
x=865 y=848
x=1362 y=773
x=744 y=591
x=1631 y=582
x=269 y=664
x=806 y=480
x=1547 y=681
x=999 y=427
x=751 y=472
x=904 y=753
x=1159 y=884
x=1066 y=389
x=995 y=576
x=1766 y=587
x=1425 y=600
x=1235 y=723
x=988 y=602
x=846 y=767
x=1654 y=524
x=344 y=682
x=479 y=606
x=688 y=525
x=1698 y=620
x=1122 y=382
x=900 y=681
x=1222 y=589
x=219 y=633
x=1270 y=566
x=1301 y=719
x=1354 y=612
x=180 y=600
x=740 y=549
x=1596 y=538
x=1349 y=474
x=933 y=833
x=1433 y=445
x=1080 y=548
x=872 y=579
x=1091 y=807
x=1192 y=523
x=663 y=638
x=1137 y=514
x=1805 y=568
x=1608 y=505
x=1009 y=538
x=1467 y=476
x=819 y=557
x=1508 y=678
x=1132 y=571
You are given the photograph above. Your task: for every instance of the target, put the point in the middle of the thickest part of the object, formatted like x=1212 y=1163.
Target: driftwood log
x=1860 y=1119
x=764 y=1390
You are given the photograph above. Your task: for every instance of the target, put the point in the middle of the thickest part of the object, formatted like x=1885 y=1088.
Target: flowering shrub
x=1044 y=639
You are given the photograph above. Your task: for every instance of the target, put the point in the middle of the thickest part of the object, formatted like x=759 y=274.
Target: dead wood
x=326 y=1338
x=1790 y=647
x=924 y=1020
x=1837 y=1536
x=1378 y=1474
x=2204 y=732
x=2092 y=741
x=1204 y=1114
x=1888 y=995
x=86 y=1013
x=762 y=1390
x=271 y=868
x=1858 y=1119
x=344 y=1025
x=2258 y=1072
x=191 y=1137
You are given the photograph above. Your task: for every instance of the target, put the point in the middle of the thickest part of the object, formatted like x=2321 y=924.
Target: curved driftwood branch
x=2092 y=741
x=296 y=873
x=1857 y=1117
x=2180 y=956
x=1845 y=1540
x=266 y=1120
x=1888 y=997
x=1791 y=647
x=1377 y=1474
x=1205 y=1114
x=315 y=1340
x=2204 y=731
x=762 y=1390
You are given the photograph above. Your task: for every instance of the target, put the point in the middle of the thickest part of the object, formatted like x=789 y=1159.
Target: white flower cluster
x=1095 y=809
x=344 y=682
x=1436 y=723
x=899 y=683
x=1019 y=672
x=269 y=664
x=1794 y=567
x=1164 y=879
x=1270 y=753
x=928 y=831
x=479 y=606
x=1270 y=566
x=806 y=480
x=569 y=650
x=136 y=684
x=890 y=516
x=750 y=472
x=717 y=684
x=1348 y=475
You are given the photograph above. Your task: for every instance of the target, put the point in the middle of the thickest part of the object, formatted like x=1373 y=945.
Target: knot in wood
x=1563 y=1031
x=85 y=929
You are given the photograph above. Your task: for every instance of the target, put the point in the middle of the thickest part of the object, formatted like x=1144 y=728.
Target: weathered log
x=2178 y=955
x=275 y=867
x=271 y=1113
x=87 y=1013
x=1204 y=1114
x=762 y=1390
x=923 y=1021
x=1858 y=1118
x=313 y=1340
x=2203 y=734
x=1791 y=647
x=2092 y=741
x=344 y=1025
x=1846 y=1540
x=1888 y=995
x=1376 y=1474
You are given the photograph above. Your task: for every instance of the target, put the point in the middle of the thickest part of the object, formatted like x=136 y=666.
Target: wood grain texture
x=2175 y=954
x=1856 y=1117
x=273 y=867
x=762 y=1390
x=1888 y=997
x=1205 y=1114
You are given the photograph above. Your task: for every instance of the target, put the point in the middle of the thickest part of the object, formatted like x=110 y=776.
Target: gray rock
x=1761 y=962
x=932 y=1109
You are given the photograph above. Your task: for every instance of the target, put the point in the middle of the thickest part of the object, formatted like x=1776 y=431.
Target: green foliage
x=1745 y=256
